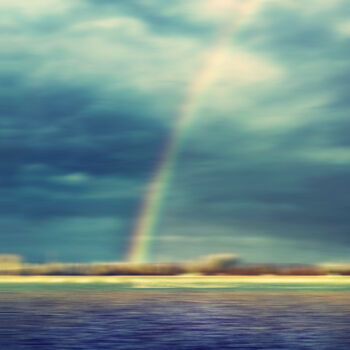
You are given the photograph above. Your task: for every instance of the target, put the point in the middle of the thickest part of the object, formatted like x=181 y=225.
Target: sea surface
x=155 y=316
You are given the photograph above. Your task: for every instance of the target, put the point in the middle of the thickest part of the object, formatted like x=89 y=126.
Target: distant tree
x=214 y=263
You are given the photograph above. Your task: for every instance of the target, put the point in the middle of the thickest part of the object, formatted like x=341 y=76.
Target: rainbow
x=203 y=79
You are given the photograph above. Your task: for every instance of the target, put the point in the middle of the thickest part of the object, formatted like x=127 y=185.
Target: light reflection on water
x=99 y=318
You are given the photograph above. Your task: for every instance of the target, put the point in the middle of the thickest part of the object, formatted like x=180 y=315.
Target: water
x=100 y=316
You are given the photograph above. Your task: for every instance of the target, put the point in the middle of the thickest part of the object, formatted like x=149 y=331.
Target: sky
x=92 y=90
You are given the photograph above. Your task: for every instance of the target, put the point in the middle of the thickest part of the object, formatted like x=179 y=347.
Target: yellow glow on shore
x=186 y=281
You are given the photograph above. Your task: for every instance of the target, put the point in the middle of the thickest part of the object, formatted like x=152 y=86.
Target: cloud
x=71 y=239
x=329 y=155
x=73 y=178
x=343 y=29
x=92 y=89
x=36 y=8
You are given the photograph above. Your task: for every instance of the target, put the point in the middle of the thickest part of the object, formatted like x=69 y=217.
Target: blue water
x=102 y=317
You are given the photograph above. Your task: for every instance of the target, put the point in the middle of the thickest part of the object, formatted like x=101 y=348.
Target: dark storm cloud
x=292 y=185
x=282 y=30
x=64 y=239
x=64 y=158
x=59 y=127
x=90 y=91
x=69 y=147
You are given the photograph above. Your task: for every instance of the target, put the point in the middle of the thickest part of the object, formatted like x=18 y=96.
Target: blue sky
x=90 y=91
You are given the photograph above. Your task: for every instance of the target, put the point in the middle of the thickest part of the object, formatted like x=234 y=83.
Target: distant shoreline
x=180 y=280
